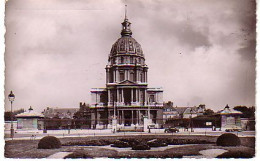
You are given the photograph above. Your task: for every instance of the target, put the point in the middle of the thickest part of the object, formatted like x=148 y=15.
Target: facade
x=230 y=119
x=191 y=112
x=29 y=120
x=58 y=118
x=59 y=112
x=126 y=96
x=171 y=112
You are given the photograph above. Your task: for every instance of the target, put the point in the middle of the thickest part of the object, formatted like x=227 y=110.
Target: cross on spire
x=126 y=30
x=125 y=12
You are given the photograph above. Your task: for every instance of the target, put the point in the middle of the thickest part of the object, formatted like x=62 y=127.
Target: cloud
x=56 y=51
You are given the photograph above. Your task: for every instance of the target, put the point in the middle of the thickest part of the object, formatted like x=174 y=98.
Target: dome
x=126 y=45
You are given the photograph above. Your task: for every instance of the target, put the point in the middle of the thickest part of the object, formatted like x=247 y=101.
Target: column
x=119 y=117
x=120 y=91
x=136 y=95
x=149 y=112
x=145 y=99
x=123 y=117
x=137 y=77
x=117 y=90
x=114 y=75
x=108 y=95
x=118 y=76
x=107 y=76
x=128 y=75
x=131 y=94
x=145 y=76
x=132 y=117
x=138 y=112
x=123 y=100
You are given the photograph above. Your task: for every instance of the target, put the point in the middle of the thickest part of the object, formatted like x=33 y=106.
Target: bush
x=238 y=154
x=120 y=144
x=185 y=141
x=228 y=139
x=97 y=143
x=156 y=143
x=88 y=143
x=130 y=141
x=49 y=142
x=77 y=155
x=141 y=146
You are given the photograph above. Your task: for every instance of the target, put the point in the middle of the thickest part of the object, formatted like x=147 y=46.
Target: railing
x=151 y=104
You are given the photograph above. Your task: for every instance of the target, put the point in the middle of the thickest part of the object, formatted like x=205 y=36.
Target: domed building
x=126 y=97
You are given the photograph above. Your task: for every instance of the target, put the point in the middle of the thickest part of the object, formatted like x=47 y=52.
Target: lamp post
x=44 y=124
x=149 y=110
x=114 y=119
x=191 y=123
x=11 y=98
x=69 y=121
x=149 y=113
x=95 y=122
x=95 y=126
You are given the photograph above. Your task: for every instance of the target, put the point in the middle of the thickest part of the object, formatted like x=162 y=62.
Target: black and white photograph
x=129 y=79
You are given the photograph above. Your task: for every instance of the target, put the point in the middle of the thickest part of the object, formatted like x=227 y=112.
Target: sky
x=198 y=51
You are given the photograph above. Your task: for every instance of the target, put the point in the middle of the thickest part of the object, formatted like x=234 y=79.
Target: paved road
x=38 y=134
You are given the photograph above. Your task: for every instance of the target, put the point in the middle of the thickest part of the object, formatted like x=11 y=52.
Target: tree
x=247 y=112
x=208 y=112
x=8 y=114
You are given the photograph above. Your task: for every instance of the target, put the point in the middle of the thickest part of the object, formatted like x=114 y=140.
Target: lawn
x=28 y=148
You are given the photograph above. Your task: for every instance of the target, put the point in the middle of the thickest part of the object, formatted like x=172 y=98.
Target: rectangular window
x=134 y=95
x=151 y=98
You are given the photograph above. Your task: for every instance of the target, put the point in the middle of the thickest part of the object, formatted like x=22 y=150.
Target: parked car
x=171 y=130
x=233 y=130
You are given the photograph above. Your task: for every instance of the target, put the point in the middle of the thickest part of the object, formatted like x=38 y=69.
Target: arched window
x=132 y=76
x=122 y=76
x=142 y=78
x=131 y=60
x=114 y=61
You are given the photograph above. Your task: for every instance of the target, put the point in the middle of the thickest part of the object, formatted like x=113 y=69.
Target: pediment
x=127 y=82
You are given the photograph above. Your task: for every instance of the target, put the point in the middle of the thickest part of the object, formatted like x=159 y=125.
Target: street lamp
x=191 y=123
x=11 y=98
x=148 y=110
x=95 y=122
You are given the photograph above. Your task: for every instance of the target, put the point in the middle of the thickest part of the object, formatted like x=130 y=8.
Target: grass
x=28 y=148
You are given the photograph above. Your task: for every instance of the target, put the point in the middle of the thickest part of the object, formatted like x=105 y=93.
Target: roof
x=228 y=111
x=126 y=45
x=180 y=110
x=61 y=112
x=185 y=109
x=29 y=113
x=190 y=110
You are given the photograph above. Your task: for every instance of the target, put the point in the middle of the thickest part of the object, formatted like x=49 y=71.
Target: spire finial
x=125 y=11
x=126 y=31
